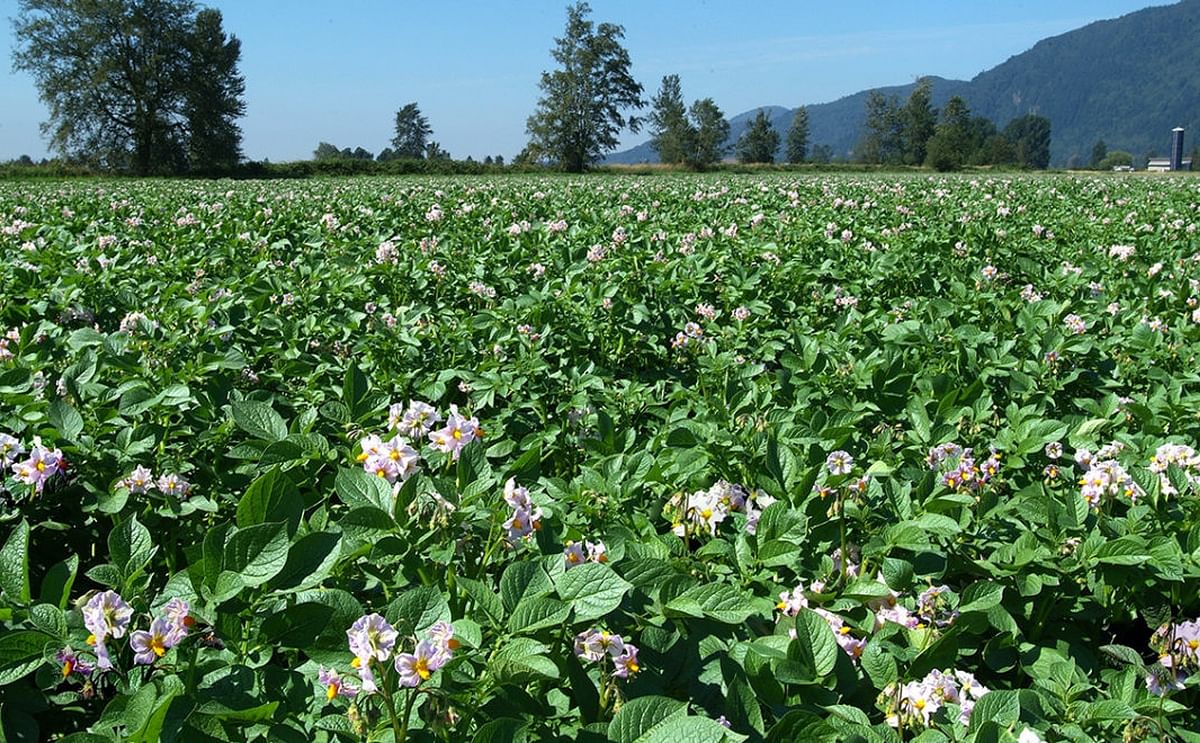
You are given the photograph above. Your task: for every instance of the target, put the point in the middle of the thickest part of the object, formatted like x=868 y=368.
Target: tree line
x=153 y=86
x=916 y=133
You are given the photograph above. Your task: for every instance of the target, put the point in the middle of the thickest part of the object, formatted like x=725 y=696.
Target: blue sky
x=337 y=71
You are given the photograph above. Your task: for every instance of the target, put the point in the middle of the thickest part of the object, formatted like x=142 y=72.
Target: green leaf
x=309 y=561
x=418 y=609
x=359 y=488
x=537 y=612
x=981 y=596
x=21 y=652
x=65 y=419
x=354 y=391
x=879 y=665
x=60 y=578
x=681 y=729
x=640 y=715
x=257 y=553
x=521 y=579
x=938 y=525
x=259 y=420
x=271 y=497
x=718 y=601
x=592 y=590
x=485 y=598
x=297 y=626
x=502 y=730
x=130 y=547
x=817 y=645
x=1002 y=707
x=14 y=565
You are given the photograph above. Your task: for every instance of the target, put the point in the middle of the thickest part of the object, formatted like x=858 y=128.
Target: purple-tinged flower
x=626 y=664
x=173 y=484
x=594 y=645
x=458 y=432
x=418 y=419
x=70 y=663
x=370 y=638
x=791 y=602
x=839 y=463
x=178 y=612
x=573 y=555
x=106 y=615
x=419 y=665
x=140 y=480
x=42 y=464
x=516 y=496
x=333 y=684
x=1054 y=450
x=442 y=635
x=154 y=644
x=10 y=449
x=597 y=552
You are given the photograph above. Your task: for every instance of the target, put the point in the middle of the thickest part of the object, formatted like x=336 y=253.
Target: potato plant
x=611 y=458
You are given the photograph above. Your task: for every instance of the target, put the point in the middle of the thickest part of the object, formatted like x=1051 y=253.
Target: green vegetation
x=685 y=458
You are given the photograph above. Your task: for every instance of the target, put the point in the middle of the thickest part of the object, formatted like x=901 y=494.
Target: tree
x=671 y=132
x=582 y=107
x=708 y=146
x=385 y=155
x=1030 y=139
x=213 y=97
x=412 y=133
x=1099 y=152
x=950 y=145
x=434 y=151
x=797 y=137
x=1115 y=158
x=881 y=139
x=326 y=151
x=759 y=142
x=822 y=154
x=499 y=159
x=140 y=84
x=918 y=122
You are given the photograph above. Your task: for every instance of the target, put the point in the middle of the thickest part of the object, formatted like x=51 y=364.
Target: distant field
x=809 y=445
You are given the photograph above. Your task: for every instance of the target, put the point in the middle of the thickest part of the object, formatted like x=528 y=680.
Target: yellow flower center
x=331 y=692
x=156 y=644
x=422 y=669
x=67 y=668
x=1193 y=644
x=41 y=466
x=632 y=666
x=363 y=457
x=457 y=434
x=706 y=514
x=91 y=639
x=919 y=704
x=844 y=631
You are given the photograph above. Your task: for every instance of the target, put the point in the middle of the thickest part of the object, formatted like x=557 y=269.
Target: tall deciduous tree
x=881 y=141
x=712 y=130
x=213 y=98
x=759 y=142
x=133 y=83
x=671 y=132
x=412 y=133
x=950 y=146
x=1030 y=138
x=584 y=102
x=797 y=137
x=918 y=120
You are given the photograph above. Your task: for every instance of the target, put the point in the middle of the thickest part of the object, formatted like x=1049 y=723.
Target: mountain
x=1128 y=81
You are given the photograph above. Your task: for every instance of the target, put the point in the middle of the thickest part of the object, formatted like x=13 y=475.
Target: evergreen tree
x=581 y=111
x=1099 y=152
x=797 y=137
x=412 y=133
x=759 y=142
x=672 y=134
x=918 y=122
x=708 y=144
